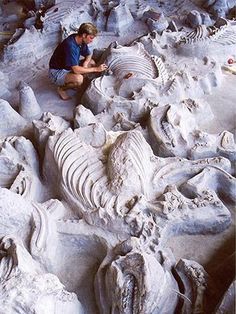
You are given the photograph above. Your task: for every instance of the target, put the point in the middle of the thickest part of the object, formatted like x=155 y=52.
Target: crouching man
x=65 y=68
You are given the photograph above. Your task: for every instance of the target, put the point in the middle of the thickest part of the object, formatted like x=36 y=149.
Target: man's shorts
x=58 y=76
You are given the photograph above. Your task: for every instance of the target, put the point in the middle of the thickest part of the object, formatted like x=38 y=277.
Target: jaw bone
x=131 y=281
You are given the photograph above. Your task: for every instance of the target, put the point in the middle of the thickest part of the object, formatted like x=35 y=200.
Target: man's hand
x=78 y=69
x=102 y=67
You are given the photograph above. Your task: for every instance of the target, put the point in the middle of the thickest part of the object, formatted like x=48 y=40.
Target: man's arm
x=87 y=60
x=77 y=69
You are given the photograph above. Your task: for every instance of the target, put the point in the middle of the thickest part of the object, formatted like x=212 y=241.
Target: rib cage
x=228 y=37
x=172 y=87
x=199 y=34
x=162 y=72
x=223 y=35
x=133 y=59
x=82 y=173
x=84 y=178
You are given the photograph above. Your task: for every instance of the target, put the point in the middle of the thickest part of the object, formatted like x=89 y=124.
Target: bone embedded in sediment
x=183 y=80
x=99 y=93
x=19 y=167
x=200 y=213
x=200 y=33
x=134 y=282
x=138 y=75
x=67 y=16
x=221 y=21
x=203 y=41
x=172 y=26
x=202 y=78
x=9 y=171
x=132 y=68
x=155 y=43
x=94 y=135
x=134 y=59
x=227 y=141
x=176 y=171
x=95 y=180
x=229 y=68
x=113 y=119
x=131 y=280
x=21 y=150
x=175 y=131
x=129 y=163
x=123 y=123
x=213 y=178
x=171 y=127
x=29 y=107
x=34 y=223
x=115 y=180
x=162 y=72
x=46 y=126
x=25 y=287
x=73 y=162
x=44 y=240
x=118 y=119
x=206 y=145
x=83 y=117
x=200 y=108
x=226 y=145
x=195 y=284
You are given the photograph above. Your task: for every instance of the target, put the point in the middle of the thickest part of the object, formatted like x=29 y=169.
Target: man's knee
x=78 y=79
x=74 y=79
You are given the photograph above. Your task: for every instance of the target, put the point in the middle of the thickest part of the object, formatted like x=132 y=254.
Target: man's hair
x=87 y=28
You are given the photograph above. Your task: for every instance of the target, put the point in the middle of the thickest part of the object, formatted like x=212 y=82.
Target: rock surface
x=120 y=199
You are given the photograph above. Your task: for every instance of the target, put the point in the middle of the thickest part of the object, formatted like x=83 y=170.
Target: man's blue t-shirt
x=67 y=54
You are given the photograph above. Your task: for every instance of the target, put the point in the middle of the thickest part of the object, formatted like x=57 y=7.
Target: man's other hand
x=102 y=67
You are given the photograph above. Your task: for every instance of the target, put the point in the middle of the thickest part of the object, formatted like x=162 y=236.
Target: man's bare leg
x=62 y=93
x=72 y=81
x=62 y=90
